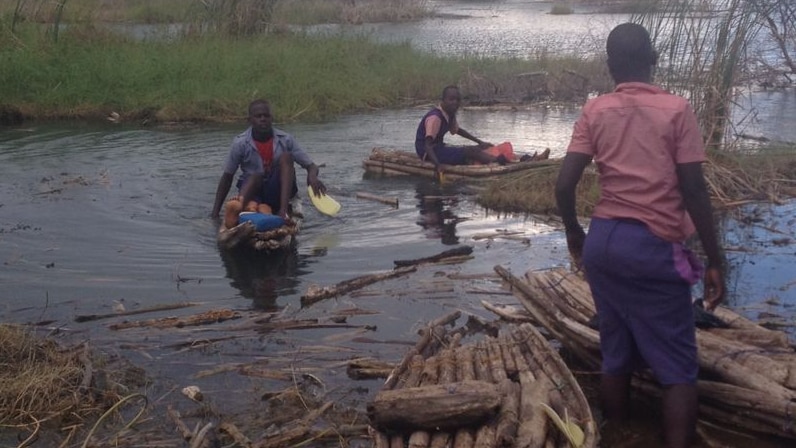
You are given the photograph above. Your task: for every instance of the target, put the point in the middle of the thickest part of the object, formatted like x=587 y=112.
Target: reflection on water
x=437 y=212
x=263 y=278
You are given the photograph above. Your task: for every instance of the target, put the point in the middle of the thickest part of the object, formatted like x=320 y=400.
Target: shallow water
x=95 y=218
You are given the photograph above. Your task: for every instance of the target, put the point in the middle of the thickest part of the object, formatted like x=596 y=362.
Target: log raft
x=483 y=393
x=245 y=235
x=747 y=372
x=397 y=162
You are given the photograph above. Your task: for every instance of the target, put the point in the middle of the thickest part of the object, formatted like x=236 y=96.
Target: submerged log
x=367 y=368
x=317 y=294
x=455 y=252
x=437 y=406
x=382 y=199
x=151 y=309
x=208 y=317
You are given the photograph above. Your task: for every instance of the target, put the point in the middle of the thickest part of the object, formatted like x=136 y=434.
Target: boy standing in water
x=265 y=156
x=436 y=123
x=649 y=154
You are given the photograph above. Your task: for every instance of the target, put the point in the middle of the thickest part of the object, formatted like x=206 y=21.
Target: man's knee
x=286 y=160
x=232 y=209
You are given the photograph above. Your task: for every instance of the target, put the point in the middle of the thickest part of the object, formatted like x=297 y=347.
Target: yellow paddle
x=324 y=203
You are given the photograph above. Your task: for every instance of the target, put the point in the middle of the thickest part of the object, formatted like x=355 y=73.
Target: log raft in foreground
x=245 y=235
x=487 y=393
x=747 y=372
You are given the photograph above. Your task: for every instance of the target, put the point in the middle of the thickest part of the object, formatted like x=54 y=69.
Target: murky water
x=98 y=217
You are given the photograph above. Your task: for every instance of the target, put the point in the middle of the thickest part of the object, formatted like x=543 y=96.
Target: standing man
x=648 y=150
x=265 y=156
x=439 y=121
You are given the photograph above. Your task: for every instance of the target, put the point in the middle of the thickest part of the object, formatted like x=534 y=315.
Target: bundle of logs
x=747 y=372
x=269 y=240
x=396 y=162
x=488 y=393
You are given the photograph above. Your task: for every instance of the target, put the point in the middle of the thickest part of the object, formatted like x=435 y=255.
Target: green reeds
x=702 y=54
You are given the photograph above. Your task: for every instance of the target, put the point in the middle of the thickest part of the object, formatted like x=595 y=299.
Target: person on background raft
x=265 y=156
x=440 y=120
x=648 y=149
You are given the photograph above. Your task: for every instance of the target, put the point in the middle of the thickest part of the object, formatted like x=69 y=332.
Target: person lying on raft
x=265 y=156
x=440 y=120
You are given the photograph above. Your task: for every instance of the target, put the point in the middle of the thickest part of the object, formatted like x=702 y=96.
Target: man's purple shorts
x=641 y=286
x=448 y=155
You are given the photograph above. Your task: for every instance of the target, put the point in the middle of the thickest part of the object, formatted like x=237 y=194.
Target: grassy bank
x=734 y=178
x=89 y=73
x=300 y=12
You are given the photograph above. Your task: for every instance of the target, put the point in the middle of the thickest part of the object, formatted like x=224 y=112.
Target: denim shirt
x=244 y=155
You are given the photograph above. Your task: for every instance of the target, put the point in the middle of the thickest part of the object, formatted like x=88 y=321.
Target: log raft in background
x=404 y=162
x=747 y=371
x=519 y=367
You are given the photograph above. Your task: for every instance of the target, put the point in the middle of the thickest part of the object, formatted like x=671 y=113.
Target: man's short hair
x=448 y=88
x=258 y=102
x=629 y=49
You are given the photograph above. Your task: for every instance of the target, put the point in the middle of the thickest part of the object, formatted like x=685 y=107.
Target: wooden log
x=485 y=437
x=464 y=364
x=372 y=197
x=229 y=239
x=447 y=367
x=444 y=406
x=382 y=167
x=565 y=383
x=151 y=309
x=400 y=369
x=422 y=439
x=317 y=294
x=729 y=396
x=464 y=438
x=506 y=342
x=769 y=340
x=749 y=356
x=481 y=363
x=532 y=431
x=508 y=417
x=208 y=317
x=507 y=312
x=414 y=373
x=712 y=359
x=368 y=368
x=455 y=252
x=235 y=433
x=465 y=371
x=440 y=440
x=419 y=439
x=495 y=359
x=397 y=441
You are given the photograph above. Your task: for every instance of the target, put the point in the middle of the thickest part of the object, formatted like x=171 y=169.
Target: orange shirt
x=266 y=151
x=637 y=135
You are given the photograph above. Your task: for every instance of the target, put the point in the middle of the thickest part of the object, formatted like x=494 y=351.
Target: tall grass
x=703 y=55
x=90 y=72
x=281 y=12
